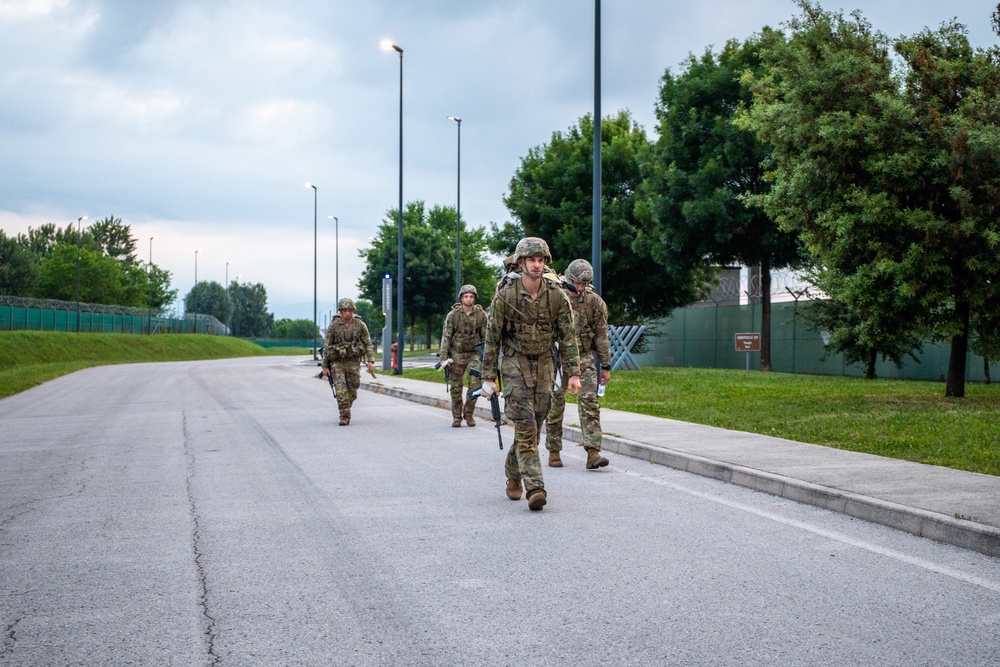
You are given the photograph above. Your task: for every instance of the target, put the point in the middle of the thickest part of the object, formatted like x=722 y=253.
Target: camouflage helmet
x=532 y=246
x=345 y=304
x=580 y=271
x=468 y=288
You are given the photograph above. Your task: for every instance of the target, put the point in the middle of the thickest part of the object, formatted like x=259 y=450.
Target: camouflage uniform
x=591 y=318
x=347 y=344
x=526 y=330
x=459 y=337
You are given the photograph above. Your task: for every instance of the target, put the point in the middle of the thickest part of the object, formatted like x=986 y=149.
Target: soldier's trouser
x=346 y=379
x=588 y=405
x=463 y=361
x=526 y=408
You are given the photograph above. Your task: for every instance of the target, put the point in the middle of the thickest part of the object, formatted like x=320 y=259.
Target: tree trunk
x=986 y=369
x=429 y=329
x=765 y=316
x=955 y=386
x=872 y=358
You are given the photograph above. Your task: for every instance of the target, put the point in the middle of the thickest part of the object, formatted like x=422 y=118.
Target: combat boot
x=554 y=460
x=344 y=421
x=594 y=459
x=514 y=489
x=470 y=420
x=536 y=500
x=456 y=423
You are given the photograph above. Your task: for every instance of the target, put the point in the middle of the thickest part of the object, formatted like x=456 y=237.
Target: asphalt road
x=213 y=513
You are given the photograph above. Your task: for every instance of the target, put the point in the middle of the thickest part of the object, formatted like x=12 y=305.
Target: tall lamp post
x=79 y=250
x=336 y=258
x=149 y=280
x=194 y=292
x=315 y=254
x=229 y=318
x=387 y=45
x=458 y=214
x=598 y=187
x=237 y=281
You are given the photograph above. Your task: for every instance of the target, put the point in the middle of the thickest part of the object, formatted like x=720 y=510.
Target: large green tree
x=295 y=329
x=551 y=196
x=208 y=297
x=476 y=270
x=110 y=271
x=890 y=176
x=100 y=278
x=250 y=318
x=19 y=269
x=114 y=238
x=702 y=166
x=428 y=263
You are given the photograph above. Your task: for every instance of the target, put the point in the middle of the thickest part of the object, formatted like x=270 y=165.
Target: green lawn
x=29 y=358
x=898 y=419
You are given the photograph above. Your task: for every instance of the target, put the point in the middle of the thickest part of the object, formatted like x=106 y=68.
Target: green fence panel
x=705 y=337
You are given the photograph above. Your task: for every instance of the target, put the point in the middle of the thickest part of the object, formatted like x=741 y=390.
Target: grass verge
x=899 y=419
x=29 y=358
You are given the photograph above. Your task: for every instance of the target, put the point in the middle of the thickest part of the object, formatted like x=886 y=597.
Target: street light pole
x=598 y=187
x=386 y=44
x=79 y=250
x=458 y=214
x=149 y=280
x=229 y=318
x=237 y=281
x=336 y=258
x=194 y=290
x=315 y=255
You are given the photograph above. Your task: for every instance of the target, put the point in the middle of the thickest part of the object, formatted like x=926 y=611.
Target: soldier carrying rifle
x=464 y=327
x=347 y=343
x=528 y=315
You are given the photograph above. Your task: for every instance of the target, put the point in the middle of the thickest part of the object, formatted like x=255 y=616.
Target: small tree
x=19 y=269
x=209 y=298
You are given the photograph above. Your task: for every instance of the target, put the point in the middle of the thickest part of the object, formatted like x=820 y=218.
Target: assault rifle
x=447 y=375
x=330 y=379
x=494 y=397
x=494 y=410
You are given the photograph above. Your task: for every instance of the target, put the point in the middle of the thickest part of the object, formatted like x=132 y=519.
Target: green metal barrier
x=704 y=337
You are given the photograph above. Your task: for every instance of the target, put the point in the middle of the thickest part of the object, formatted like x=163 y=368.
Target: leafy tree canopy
x=551 y=196
x=887 y=171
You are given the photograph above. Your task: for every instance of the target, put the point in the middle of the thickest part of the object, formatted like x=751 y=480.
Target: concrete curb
x=940 y=527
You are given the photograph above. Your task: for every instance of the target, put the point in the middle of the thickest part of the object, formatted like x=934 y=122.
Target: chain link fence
x=24 y=314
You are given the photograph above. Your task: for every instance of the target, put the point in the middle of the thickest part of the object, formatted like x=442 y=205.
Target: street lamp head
x=332 y=217
x=389 y=46
x=456 y=119
x=82 y=217
x=310 y=185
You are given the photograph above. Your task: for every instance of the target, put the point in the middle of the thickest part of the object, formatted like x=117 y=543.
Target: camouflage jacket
x=522 y=326
x=461 y=332
x=347 y=341
x=590 y=314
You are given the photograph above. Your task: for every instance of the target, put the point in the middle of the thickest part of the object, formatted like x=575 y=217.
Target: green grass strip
x=899 y=419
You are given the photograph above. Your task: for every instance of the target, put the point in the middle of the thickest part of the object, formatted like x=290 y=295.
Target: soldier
x=347 y=344
x=590 y=314
x=464 y=327
x=528 y=315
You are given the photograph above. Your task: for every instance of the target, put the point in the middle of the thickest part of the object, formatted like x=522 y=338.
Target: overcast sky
x=200 y=122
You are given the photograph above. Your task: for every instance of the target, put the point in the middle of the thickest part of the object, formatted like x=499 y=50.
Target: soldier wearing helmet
x=527 y=317
x=590 y=314
x=464 y=327
x=346 y=345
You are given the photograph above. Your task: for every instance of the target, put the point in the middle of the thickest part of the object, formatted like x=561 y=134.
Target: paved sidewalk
x=959 y=508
